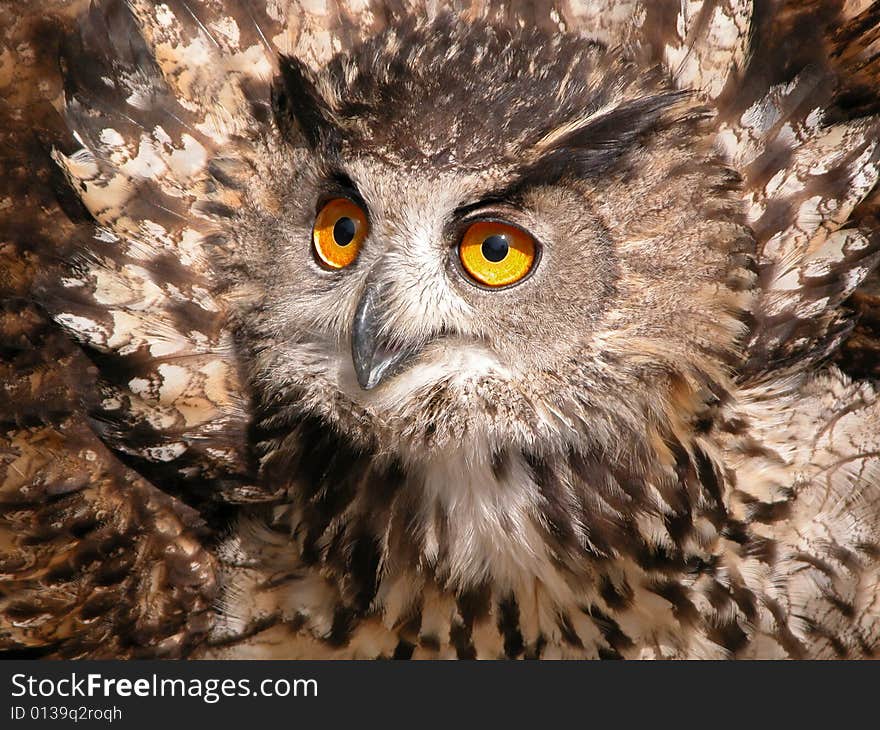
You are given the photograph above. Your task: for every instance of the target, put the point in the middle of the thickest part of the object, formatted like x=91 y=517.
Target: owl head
x=466 y=235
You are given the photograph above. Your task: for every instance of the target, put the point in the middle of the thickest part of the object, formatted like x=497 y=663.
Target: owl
x=482 y=330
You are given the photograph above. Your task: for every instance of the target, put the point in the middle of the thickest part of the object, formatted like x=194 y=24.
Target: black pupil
x=343 y=231
x=494 y=248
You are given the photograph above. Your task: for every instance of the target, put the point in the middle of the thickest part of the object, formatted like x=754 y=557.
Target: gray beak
x=373 y=359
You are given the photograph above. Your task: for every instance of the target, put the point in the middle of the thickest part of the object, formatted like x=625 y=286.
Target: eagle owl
x=386 y=329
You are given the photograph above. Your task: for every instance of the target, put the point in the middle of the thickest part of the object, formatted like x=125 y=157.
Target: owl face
x=458 y=242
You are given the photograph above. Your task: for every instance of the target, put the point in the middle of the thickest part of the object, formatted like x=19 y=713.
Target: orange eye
x=340 y=229
x=496 y=254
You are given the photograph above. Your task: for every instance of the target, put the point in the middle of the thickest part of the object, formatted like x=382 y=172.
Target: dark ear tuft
x=298 y=105
x=616 y=130
x=590 y=145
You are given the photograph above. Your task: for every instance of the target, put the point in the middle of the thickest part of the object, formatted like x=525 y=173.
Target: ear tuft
x=591 y=143
x=298 y=105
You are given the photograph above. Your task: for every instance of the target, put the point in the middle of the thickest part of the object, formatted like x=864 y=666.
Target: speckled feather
x=169 y=486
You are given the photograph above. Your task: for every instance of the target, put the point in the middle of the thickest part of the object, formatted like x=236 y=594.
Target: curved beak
x=373 y=359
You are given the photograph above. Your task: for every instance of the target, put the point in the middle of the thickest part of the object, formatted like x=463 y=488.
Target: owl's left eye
x=497 y=254
x=339 y=231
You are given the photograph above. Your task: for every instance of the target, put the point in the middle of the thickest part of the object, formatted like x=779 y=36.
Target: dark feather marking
x=609 y=628
x=709 y=478
x=788 y=641
x=363 y=569
x=500 y=465
x=298 y=105
x=460 y=637
x=429 y=642
x=679 y=596
x=845 y=556
x=556 y=508
x=602 y=142
x=403 y=650
x=846 y=608
x=618 y=597
x=761 y=548
x=768 y=512
x=730 y=635
x=508 y=625
x=569 y=635
x=659 y=558
x=736 y=531
x=745 y=601
x=344 y=623
x=473 y=606
x=817 y=630
x=534 y=651
x=609 y=654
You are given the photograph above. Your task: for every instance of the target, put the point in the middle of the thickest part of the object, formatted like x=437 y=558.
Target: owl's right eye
x=340 y=229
